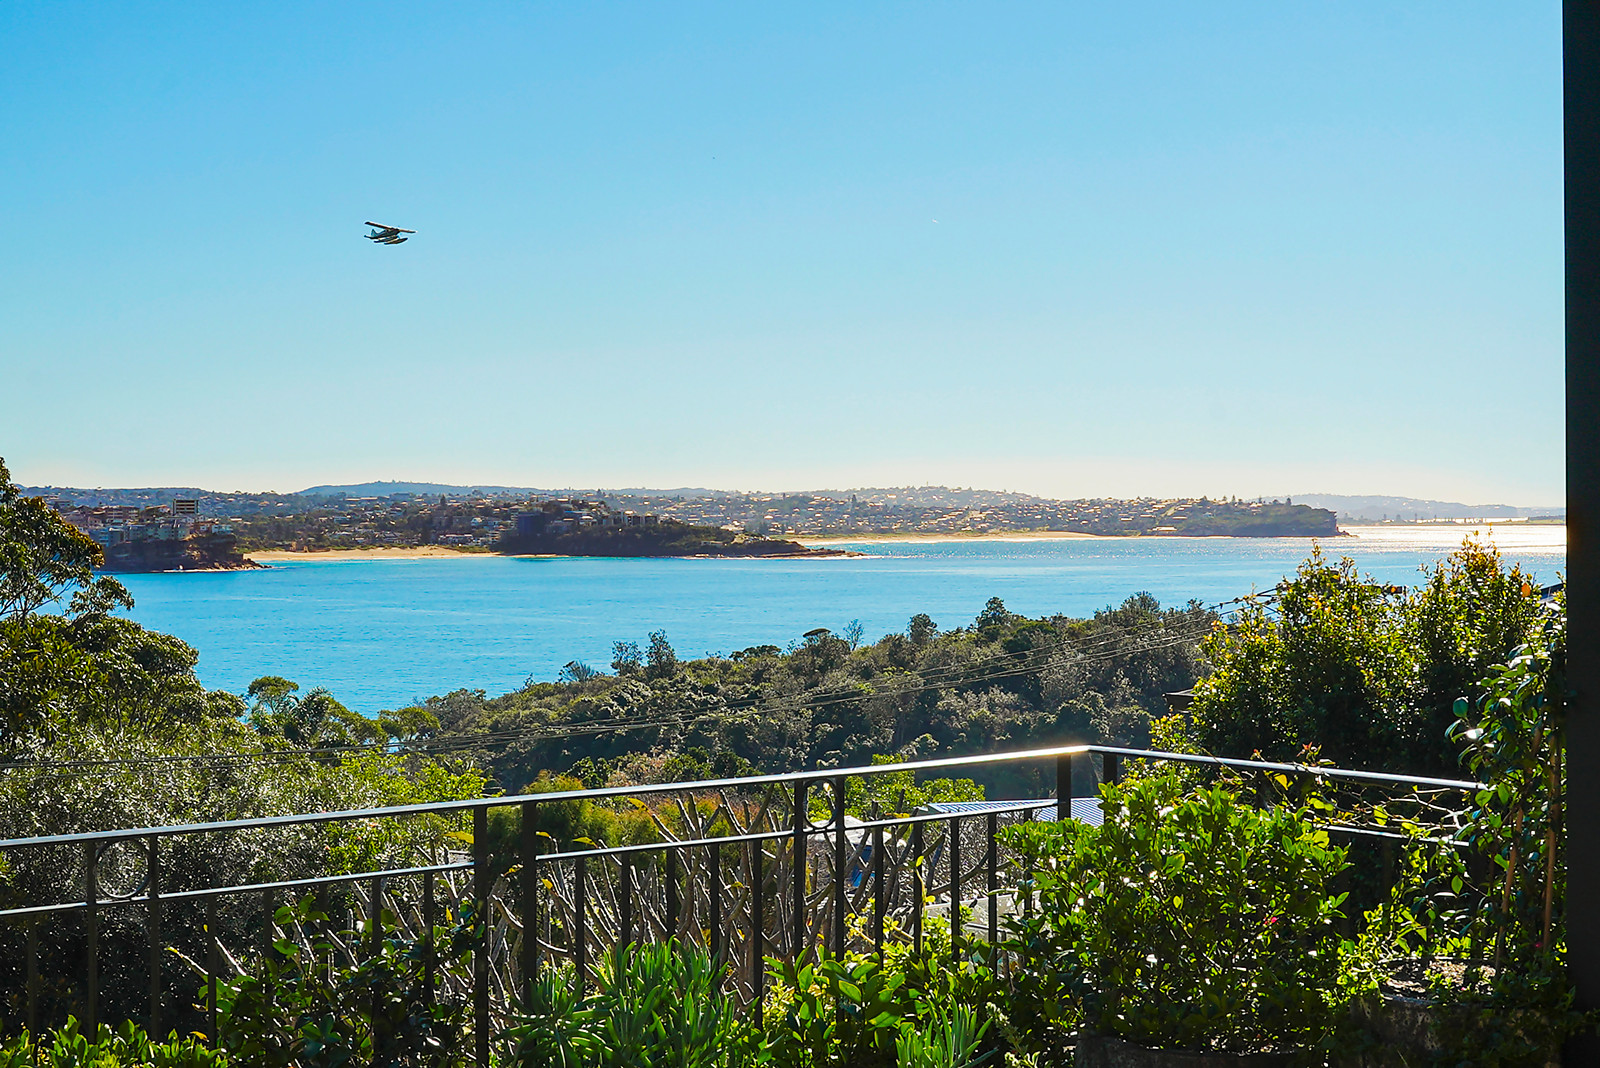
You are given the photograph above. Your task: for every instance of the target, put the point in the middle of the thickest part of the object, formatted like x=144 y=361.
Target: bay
x=382 y=633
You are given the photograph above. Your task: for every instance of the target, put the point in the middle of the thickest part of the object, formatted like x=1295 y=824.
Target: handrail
x=470 y=804
x=810 y=892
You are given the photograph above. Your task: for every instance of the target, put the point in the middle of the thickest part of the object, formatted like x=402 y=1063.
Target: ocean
x=384 y=633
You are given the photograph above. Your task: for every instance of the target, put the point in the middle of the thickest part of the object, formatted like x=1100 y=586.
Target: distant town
x=189 y=527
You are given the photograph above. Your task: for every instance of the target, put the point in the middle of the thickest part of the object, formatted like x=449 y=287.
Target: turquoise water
x=382 y=633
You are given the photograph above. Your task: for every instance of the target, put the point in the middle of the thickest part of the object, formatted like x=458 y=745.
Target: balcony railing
x=765 y=865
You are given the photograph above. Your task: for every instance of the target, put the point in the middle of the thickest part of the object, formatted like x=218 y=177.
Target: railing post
x=714 y=902
x=530 y=898
x=580 y=919
x=91 y=929
x=429 y=953
x=480 y=921
x=266 y=927
x=993 y=864
x=877 y=886
x=955 y=888
x=798 y=889
x=375 y=919
x=213 y=965
x=153 y=931
x=625 y=902
x=917 y=891
x=840 y=873
x=674 y=905
x=374 y=948
x=33 y=975
x=1064 y=786
x=758 y=894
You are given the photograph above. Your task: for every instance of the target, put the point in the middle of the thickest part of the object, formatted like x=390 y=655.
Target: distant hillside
x=1352 y=509
x=384 y=489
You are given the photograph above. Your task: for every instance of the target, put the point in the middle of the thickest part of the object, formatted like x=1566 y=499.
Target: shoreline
x=268 y=557
x=406 y=552
x=932 y=539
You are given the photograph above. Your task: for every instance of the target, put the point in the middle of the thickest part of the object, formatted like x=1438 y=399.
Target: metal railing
x=747 y=867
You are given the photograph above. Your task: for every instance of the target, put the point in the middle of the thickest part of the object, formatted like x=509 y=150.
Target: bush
x=1189 y=920
x=320 y=1002
x=126 y=1047
x=652 y=1004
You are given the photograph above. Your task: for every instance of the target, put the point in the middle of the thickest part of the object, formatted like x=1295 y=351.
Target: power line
x=1017 y=664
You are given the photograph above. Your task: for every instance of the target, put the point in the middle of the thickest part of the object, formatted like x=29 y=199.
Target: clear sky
x=1072 y=248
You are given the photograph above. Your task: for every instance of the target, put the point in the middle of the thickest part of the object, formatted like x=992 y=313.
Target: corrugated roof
x=1084 y=809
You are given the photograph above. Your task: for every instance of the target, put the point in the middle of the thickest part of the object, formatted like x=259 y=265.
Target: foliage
x=898 y=792
x=1368 y=673
x=839 y=1011
x=1005 y=681
x=651 y=1005
x=308 y=1004
x=1491 y=900
x=43 y=558
x=315 y=720
x=1189 y=919
x=127 y=1046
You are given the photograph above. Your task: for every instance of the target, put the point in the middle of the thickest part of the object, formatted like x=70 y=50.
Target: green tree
x=661 y=661
x=44 y=558
x=1369 y=673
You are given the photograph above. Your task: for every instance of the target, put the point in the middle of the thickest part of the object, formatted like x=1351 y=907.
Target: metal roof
x=1084 y=809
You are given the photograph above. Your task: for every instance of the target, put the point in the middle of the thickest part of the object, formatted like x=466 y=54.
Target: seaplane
x=387 y=235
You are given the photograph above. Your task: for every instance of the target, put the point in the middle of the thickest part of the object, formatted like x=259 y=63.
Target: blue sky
x=1073 y=248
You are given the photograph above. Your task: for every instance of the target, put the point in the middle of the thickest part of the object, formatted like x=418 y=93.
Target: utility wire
x=1017 y=664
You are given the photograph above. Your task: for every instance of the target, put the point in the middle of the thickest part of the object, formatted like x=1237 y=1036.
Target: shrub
x=321 y=1002
x=1189 y=920
x=651 y=1004
x=126 y=1047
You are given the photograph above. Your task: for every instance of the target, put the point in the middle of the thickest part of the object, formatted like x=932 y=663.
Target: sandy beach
x=1034 y=535
x=408 y=552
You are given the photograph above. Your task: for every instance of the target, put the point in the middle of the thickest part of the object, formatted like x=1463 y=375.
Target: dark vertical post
x=917 y=891
x=758 y=896
x=480 y=925
x=1581 y=84
x=213 y=965
x=877 y=891
x=267 y=938
x=714 y=901
x=674 y=906
x=798 y=921
x=625 y=903
x=580 y=921
x=430 y=958
x=91 y=931
x=375 y=917
x=33 y=976
x=840 y=871
x=955 y=888
x=374 y=948
x=153 y=932
x=1064 y=786
x=1111 y=768
x=992 y=862
x=530 y=898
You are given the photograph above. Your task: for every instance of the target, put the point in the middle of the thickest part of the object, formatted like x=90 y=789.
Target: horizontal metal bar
x=1293 y=769
x=765 y=836
x=980 y=760
x=444 y=807
x=223 y=891
x=658 y=847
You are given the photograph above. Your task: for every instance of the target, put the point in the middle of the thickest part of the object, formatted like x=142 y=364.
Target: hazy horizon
x=777 y=490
